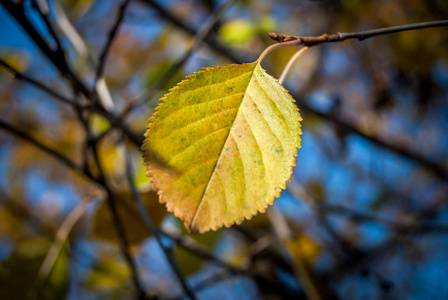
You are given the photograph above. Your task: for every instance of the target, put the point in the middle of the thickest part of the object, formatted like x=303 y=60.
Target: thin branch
x=119 y=227
x=436 y=168
x=197 y=249
x=112 y=34
x=37 y=84
x=136 y=138
x=43 y=9
x=153 y=229
x=61 y=236
x=16 y=10
x=41 y=146
x=360 y=35
x=199 y=37
x=213 y=43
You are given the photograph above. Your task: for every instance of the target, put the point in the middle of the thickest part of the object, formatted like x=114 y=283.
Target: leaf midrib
x=220 y=153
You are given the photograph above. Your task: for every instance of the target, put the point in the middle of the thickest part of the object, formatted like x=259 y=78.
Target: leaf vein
x=275 y=104
x=195 y=122
x=267 y=123
x=206 y=102
x=196 y=142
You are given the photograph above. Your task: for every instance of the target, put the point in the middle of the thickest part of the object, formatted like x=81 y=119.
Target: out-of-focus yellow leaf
x=98 y=124
x=136 y=231
x=16 y=58
x=9 y=224
x=304 y=251
x=304 y=248
x=18 y=274
x=108 y=274
x=237 y=31
x=222 y=145
x=266 y=24
x=112 y=160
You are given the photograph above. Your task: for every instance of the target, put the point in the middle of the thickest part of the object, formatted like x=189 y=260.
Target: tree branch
x=361 y=35
x=435 y=168
x=43 y=147
x=153 y=229
x=215 y=45
x=112 y=34
x=119 y=227
x=37 y=84
x=57 y=57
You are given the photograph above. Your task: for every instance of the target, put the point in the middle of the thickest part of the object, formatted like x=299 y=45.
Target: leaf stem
x=291 y=62
x=275 y=46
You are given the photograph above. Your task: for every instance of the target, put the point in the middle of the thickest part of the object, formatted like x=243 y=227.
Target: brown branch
x=43 y=12
x=119 y=226
x=361 y=35
x=147 y=220
x=112 y=34
x=213 y=43
x=37 y=84
x=435 y=168
x=66 y=161
x=57 y=57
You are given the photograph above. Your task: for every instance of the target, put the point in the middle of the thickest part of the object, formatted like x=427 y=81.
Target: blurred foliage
x=18 y=273
x=136 y=231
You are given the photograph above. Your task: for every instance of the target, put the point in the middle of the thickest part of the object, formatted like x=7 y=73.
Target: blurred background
x=366 y=210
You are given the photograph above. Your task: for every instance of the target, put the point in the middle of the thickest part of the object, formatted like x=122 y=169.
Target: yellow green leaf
x=222 y=145
x=237 y=31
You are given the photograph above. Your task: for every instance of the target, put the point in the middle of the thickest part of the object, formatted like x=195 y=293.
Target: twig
x=136 y=138
x=205 y=30
x=43 y=9
x=152 y=228
x=39 y=85
x=57 y=57
x=41 y=146
x=435 y=168
x=119 y=227
x=360 y=35
x=195 y=248
x=61 y=236
x=214 y=44
x=112 y=34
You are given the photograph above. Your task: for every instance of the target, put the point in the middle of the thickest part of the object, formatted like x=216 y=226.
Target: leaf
x=136 y=230
x=222 y=145
x=18 y=274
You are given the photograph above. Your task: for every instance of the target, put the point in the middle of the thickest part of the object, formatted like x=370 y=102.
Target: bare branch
x=39 y=85
x=361 y=35
x=41 y=146
x=43 y=9
x=153 y=229
x=112 y=34
x=61 y=236
x=119 y=227
x=214 y=44
x=435 y=168
x=57 y=57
